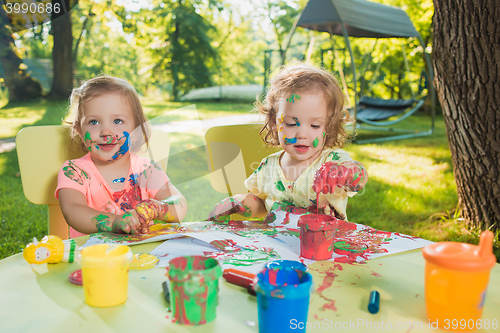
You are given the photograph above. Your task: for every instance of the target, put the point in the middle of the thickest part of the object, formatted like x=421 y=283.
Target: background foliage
x=170 y=47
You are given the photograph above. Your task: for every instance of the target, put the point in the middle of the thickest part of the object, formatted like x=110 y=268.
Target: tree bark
x=20 y=84
x=62 y=56
x=467 y=64
x=88 y=17
x=176 y=53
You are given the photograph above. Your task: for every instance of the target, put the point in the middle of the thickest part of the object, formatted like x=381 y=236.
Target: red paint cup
x=317 y=232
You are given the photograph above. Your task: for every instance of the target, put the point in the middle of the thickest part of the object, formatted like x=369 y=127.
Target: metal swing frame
x=360 y=18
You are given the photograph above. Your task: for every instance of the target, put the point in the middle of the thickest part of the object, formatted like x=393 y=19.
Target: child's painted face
x=300 y=123
x=106 y=126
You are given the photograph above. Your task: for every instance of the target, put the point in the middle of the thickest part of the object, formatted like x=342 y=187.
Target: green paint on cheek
x=87 y=136
x=324 y=134
x=315 y=142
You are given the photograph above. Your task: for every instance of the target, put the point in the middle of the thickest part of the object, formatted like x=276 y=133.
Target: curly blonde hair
x=302 y=78
x=99 y=86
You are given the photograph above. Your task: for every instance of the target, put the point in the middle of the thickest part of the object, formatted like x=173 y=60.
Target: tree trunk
x=20 y=84
x=467 y=64
x=176 y=53
x=88 y=17
x=62 y=56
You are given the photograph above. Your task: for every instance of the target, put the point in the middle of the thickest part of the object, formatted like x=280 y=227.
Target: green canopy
x=360 y=18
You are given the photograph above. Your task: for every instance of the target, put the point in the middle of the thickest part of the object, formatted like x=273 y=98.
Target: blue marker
x=373 y=302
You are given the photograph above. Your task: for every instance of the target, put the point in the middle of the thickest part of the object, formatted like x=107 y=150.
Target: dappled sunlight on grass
x=206 y=110
x=410 y=180
x=15 y=116
x=448 y=226
x=20 y=220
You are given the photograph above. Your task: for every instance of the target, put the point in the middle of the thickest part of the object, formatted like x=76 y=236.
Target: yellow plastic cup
x=105 y=274
x=456 y=279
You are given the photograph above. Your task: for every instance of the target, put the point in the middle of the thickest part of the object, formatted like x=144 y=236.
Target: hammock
x=372 y=110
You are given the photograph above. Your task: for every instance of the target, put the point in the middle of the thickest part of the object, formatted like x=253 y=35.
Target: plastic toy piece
x=51 y=249
x=241 y=278
x=76 y=277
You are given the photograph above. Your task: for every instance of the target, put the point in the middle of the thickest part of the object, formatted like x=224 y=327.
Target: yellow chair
x=42 y=150
x=233 y=153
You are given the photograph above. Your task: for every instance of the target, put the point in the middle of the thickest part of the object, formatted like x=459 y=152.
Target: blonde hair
x=100 y=86
x=301 y=78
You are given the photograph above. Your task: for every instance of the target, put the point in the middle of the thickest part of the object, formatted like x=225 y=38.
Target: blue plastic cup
x=283 y=292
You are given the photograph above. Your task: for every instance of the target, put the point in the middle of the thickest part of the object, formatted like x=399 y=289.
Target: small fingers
x=342 y=175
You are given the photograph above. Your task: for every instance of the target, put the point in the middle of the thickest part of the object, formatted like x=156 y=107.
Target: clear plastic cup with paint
x=193 y=283
x=105 y=274
x=456 y=280
x=283 y=292
x=317 y=232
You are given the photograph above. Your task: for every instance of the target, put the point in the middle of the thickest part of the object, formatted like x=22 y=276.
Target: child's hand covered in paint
x=127 y=223
x=350 y=175
x=149 y=210
x=226 y=207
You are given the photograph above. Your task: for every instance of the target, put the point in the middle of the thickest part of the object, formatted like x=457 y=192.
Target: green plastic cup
x=194 y=285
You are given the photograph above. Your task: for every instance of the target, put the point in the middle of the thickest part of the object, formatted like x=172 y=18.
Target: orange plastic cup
x=456 y=279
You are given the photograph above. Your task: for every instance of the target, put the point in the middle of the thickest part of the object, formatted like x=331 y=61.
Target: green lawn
x=411 y=187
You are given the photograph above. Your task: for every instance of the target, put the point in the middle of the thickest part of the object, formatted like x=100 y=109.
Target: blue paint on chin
x=124 y=147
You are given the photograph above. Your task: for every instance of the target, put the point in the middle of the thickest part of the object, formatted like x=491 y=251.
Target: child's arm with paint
x=247 y=205
x=168 y=205
x=87 y=220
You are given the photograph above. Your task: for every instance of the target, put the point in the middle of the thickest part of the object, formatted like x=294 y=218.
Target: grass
x=411 y=188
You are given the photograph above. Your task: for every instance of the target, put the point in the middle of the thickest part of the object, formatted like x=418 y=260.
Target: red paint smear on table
x=375 y=274
x=355 y=244
x=328 y=279
x=330 y=305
